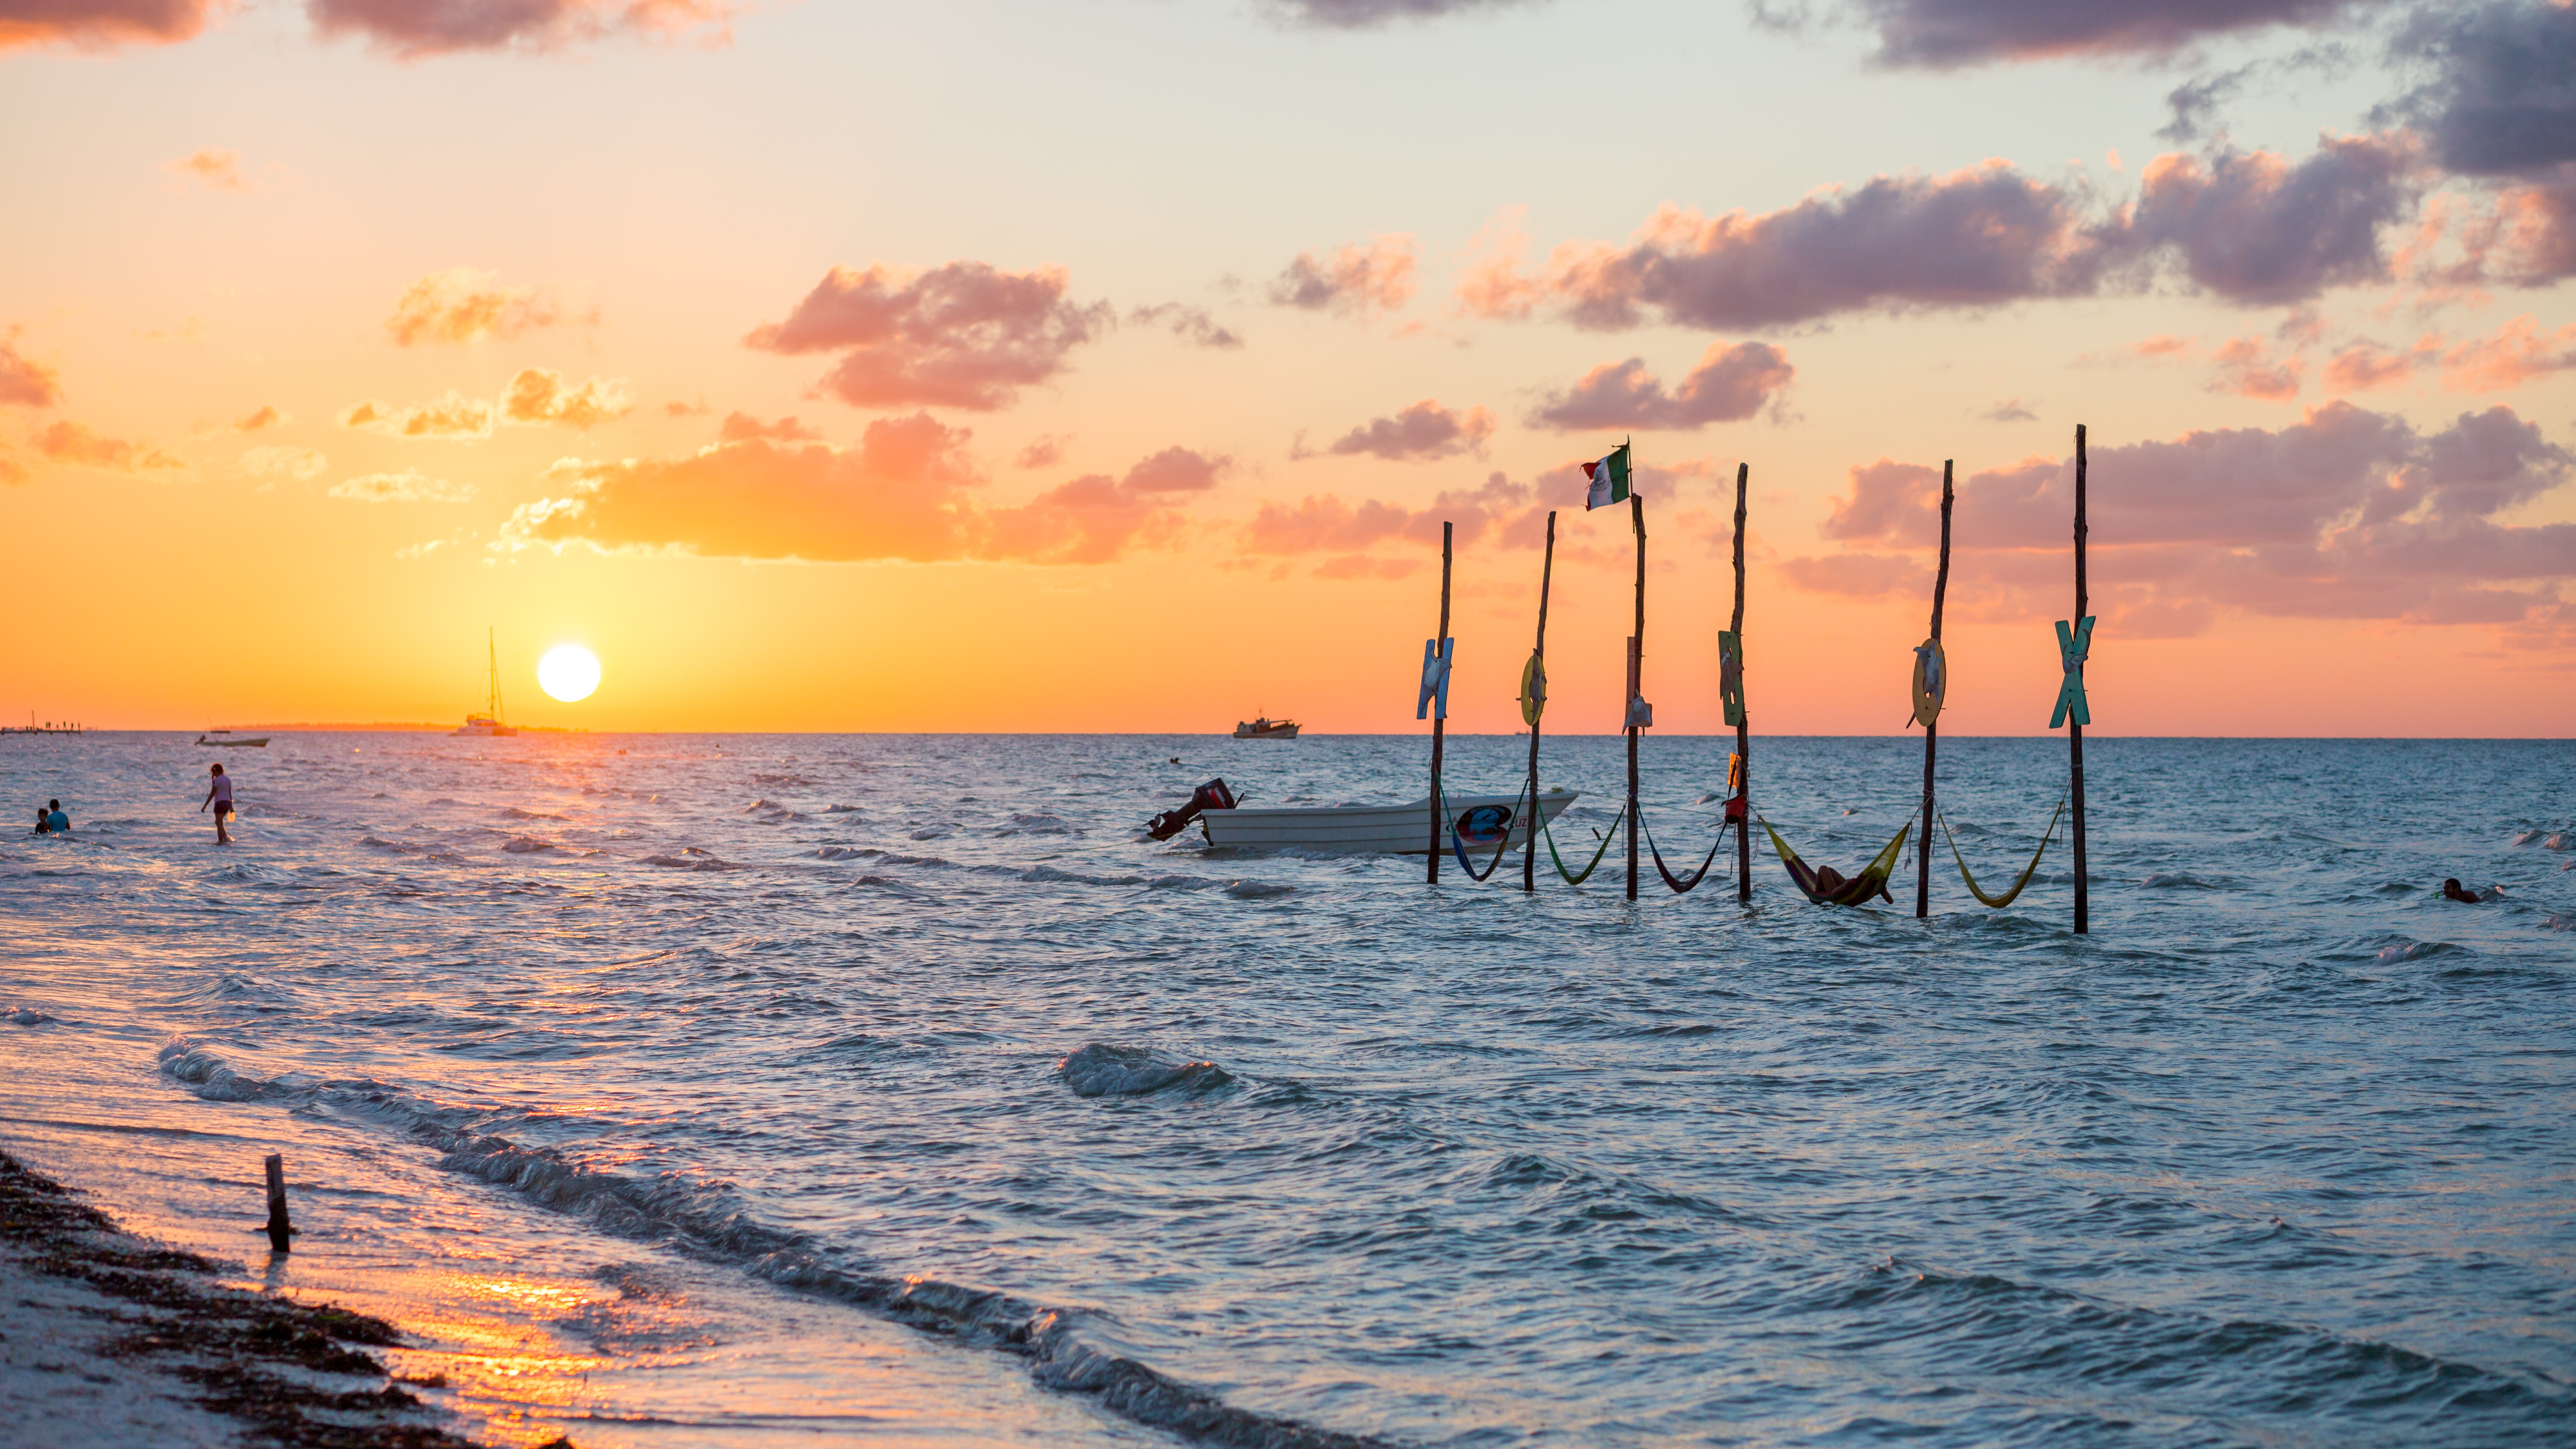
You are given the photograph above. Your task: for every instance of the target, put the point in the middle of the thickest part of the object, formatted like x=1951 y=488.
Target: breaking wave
x=1102 y=1070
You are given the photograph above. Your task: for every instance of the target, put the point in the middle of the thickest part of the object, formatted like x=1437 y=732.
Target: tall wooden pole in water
x=1932 y=730
x=1744 y=716
x=1538 y=655
x=1439 y=714
x=1636 y=682
x=2074 y=729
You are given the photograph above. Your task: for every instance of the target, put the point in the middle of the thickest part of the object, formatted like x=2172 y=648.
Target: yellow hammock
x=1872 y=881
x=2001 y=901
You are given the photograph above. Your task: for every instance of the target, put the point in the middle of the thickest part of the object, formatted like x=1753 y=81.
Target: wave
x=513 y=812
x=1102 y=1070
x=686 y=1211
x=2180 y=880
x=398 y=847
x=692 y=858
x=2406 y=948
x=1050 y=873
x=842 y=852
x=840 y=809
x=24 y=1016
x=1040 y=825
x=2547 y=839
x=1258 y=890
x=528 y=845
x=780 y=780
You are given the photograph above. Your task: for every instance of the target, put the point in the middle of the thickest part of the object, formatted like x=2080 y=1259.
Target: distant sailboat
x=490 y=722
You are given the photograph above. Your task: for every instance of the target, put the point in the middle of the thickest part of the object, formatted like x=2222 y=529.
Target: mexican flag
x=1609 y=479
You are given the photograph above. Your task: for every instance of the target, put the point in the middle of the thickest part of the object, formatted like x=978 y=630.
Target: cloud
x=904 y=493
x=2502 y=100
x=2009 y=410
x=537 y=396
x=218 y=168
x=2345 y=514
x=962 y=335
x=1352 y=567
x=268 y=416
x=744 y=428
x=1370 y=14
x=25 y=382
x=1043 y=451
x=100 y=24
x=1729 y=384
x=278 y=460
x=2367 y=366
x=2247 y=369
x=454 y=416
x=1323 y=523
x=2518 y=353
x=1947 y=33
x=1188 y=322
x=1423 y=432
x=1351 y=280
x=408 y=486
x=416 y=28
x=1860 y=575
x=2252 y=228
x=462 y=305
x=686 y=409
x=69 y=442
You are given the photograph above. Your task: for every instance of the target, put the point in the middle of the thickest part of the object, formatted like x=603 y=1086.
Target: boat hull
x=1374 y=829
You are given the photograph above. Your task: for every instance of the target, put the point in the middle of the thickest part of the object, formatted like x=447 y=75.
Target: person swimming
x=2452 y=890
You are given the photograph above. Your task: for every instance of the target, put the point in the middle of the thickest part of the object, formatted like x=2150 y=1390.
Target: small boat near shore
x=225 y=740
x=1479 y=821
x=1265 y=728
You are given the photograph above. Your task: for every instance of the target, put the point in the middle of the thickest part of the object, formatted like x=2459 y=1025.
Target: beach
x=747 y=1090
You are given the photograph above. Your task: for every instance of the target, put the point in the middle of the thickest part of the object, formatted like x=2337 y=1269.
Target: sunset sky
x=1111 y=364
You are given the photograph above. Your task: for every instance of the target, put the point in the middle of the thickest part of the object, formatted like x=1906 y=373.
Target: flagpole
x=1932 y=727
x=1538 y=655
x=1744 y=710
x=1636 y=660
x=1439 y=711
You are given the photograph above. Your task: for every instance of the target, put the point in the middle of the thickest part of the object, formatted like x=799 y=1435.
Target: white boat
x=490 y=723
x=224 y=740
x=1265 y=728
x=1481 y=821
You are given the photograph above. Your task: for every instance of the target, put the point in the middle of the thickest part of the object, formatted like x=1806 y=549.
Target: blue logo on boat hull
x=1485 y=824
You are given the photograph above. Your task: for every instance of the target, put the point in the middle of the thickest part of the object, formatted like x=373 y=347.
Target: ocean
x=739 y=1090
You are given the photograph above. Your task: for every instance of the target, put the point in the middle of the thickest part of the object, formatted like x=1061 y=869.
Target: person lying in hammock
x=1830 y=881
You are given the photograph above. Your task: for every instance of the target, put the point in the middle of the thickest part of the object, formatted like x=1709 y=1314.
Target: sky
x=1109 y=365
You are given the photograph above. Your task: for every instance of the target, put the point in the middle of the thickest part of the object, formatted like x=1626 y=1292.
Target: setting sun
x=568 y=672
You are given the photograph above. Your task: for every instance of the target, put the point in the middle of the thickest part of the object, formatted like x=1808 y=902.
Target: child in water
x=220 y=795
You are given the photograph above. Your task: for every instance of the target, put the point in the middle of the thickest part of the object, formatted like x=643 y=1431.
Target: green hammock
x=1606 y=837
x=2001 y=901
x=1872 y=881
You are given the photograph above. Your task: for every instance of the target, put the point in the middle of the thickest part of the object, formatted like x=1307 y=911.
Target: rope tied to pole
x=2007 y=898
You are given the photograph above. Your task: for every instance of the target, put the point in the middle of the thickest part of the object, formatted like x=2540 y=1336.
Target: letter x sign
x=2072 y=646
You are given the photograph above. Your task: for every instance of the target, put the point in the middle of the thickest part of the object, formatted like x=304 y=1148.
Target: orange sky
x=1136 y=351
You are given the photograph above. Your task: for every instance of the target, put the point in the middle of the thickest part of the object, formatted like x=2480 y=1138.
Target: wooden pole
x=2074 y=730
x=1744 y=716
x=1529 y=848
x=278 y=1227
x=1439 y=716
x=1636 y=674
x=1932 y=731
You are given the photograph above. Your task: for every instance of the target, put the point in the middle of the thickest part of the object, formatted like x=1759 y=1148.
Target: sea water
x=745 y=1089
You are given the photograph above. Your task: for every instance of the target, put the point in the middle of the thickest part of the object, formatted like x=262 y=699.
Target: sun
x=568 y=672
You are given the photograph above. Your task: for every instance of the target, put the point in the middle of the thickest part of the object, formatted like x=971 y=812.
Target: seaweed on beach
x=251 y=1356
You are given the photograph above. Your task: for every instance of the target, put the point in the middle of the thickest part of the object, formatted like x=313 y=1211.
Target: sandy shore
x=111 y=1340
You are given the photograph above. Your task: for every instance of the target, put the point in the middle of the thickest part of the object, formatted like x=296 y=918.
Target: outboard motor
x=1211 y=796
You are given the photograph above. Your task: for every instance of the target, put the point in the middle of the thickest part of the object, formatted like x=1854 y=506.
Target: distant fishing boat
x=1266 y=728
x=491 y=723
x=1480 y=822
x=224 y=740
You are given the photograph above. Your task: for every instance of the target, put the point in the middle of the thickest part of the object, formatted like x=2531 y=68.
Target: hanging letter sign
x=1931 y=681
x=1533 y=689
x=1730 y=675
x=1436 y=655
x=2072 y=647
x=1641 y=715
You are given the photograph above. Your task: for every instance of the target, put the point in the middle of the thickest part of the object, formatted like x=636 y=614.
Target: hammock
x=2001 y=901
x=1872 y=881
x=1458 y=844
x=1606 y=837
x=1681 y=887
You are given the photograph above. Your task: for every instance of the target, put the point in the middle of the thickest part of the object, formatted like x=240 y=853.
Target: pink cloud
x=1424 y=432
x=1323 y=523
x=100 y=24
x=1946 y=33
x=1176 y=470
x=2246 y=368
x=744 y=428
x=2367 y=366
x=2518 y=353
x=1353 y=280
x=462 y=305
x=1729 y=384
x=416 y=28
x=218 y=168
x=1352 y=567
x=2346 y=514
x=454 y=416
x=266 y=417
x=2257 y=228
x=962 y=335
x=1043 y=451
x=1860 y=575
x=69 y=442
x=25 y=382
x=906 y=492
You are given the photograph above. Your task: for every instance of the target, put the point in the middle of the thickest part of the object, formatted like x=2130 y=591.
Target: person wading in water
x=220 y=795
